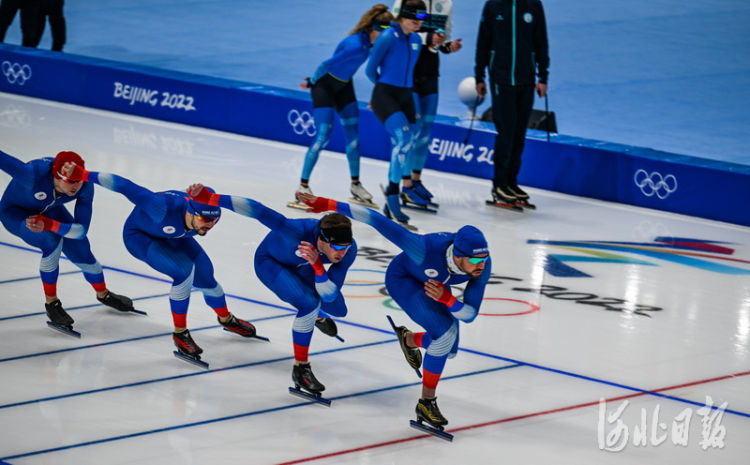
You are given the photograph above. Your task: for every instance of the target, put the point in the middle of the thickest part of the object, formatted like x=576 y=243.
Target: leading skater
x=161 y=231
x=289 y=261
x=419 y=280
x=331 y=88
x=32 y=208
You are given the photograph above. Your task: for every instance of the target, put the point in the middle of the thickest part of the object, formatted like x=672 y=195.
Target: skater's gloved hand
x=199 y=193
x=318 y=204
x=39 y=223
x=310 y=253
x=73 y=173
x=439 y=292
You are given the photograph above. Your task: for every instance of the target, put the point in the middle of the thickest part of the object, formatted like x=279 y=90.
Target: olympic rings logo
x=16 y=73
x=302 y=123
x=655 y=183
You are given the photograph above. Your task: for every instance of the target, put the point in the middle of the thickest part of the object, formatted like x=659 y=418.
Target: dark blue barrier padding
x=618 y=173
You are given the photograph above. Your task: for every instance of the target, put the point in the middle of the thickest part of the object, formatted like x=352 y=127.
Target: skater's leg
x=323 y=122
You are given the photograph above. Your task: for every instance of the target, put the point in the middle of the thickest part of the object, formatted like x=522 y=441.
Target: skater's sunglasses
x=478 y=260
x=340 y=247
x=207 y=219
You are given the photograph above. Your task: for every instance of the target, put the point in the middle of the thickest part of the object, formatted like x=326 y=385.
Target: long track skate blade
x=192 y=360
x=505 y=206
x=306 y=395
x=249 y=337
x=439 y=433
x=299 y=206
x=370 y=205
x=393 y=325
x=419 y=208
x=339 y=338
x=525 y=204
x=64 y=329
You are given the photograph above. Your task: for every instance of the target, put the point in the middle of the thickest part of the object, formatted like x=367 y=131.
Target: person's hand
x=541 y=89
x=199 y=193
x=316 y=204
x=481 y=89
x=438 y=39
x=455 y=45
x=304 y=85
x=73 y=172
x=439 y=292
x=308 y=252
x=39 y=223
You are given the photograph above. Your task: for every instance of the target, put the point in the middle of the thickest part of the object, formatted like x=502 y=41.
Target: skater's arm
x=153 y=204
x=412 y=244
x=379 y=48
x=337 y=271
x=473 y=295
x=484 y=44
x=243 y=206
x=327 y=284
x=18 y=170
x=39 y=223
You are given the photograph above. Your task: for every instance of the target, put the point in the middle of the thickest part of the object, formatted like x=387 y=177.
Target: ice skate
x=187 y=349
x=424 y=193
x=306 y=385
x=328 y=327
x=412 y=354
x=241 y=327
x=412 y=200
x=522 y=198
x=59 y=320
x=392 y=210
x=428 y=411
x=503 y=198
x=361 y=196
x=119 y=303
x=296 y=203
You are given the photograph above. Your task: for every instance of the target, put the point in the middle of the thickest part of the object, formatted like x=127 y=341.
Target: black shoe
x=117 y=301
x=413 y=354
x=427 y=410
x=327 y=326
x=241 y=327
x=303 y=377
x=502 y=194
x=58 y=315
x=185 y=344
x=518 y=192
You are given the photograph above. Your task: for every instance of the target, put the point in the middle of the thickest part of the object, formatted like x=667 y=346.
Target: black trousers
x=29 y=10
x=52 y=9
x=511 y=110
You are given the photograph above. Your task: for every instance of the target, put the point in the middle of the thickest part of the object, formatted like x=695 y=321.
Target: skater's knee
x=441 y=346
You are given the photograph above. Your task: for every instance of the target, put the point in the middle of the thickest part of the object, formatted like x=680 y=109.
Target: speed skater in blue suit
x=290 y=262
x=33 y=208
x=419 y=280
x=332 y=90
x=160 y=231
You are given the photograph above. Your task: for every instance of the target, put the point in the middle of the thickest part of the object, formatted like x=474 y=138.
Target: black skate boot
x=58 y=315
x=239 y=326
x=186 y=345
x=427 y=410
x=327 y=326
x=502 y=197
x=412 y=354
x=522 y=198
x=303 y=378
x=187 y=349
x=117 y=301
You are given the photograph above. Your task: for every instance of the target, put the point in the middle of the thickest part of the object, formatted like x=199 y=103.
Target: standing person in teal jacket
x=331 y=88
x=391 y=68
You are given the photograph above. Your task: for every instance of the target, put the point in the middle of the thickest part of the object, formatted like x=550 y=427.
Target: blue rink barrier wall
x=583 y=167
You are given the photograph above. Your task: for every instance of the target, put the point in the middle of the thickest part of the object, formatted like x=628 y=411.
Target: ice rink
x=605 y=331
